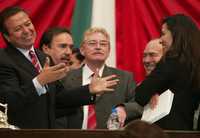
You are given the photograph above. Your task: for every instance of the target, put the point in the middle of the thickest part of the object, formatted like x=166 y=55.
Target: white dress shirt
x=39 y=88
x=86 y=79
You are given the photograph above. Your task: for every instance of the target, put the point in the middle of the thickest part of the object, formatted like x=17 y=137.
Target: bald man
x=152 y=55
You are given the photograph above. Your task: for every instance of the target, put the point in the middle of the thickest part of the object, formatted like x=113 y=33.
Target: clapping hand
x=52 y=73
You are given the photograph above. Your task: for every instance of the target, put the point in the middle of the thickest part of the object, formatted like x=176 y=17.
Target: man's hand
x=53 y=73
x=121 y=115
x=154 y=101
x=99 y=85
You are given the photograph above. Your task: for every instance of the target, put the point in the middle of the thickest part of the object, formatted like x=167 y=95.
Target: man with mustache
x=31 y=87
x=57 y=43
x=95 y=47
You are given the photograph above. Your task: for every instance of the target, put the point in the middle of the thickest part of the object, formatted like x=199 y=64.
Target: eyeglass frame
x=101 y=43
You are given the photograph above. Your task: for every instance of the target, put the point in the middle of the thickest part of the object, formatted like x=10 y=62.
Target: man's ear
x=45 y=49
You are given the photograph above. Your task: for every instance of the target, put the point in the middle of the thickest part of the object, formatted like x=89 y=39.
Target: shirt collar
x=25 y=52
x=87 y=72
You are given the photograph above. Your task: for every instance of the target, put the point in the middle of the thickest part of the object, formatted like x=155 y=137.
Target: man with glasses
x=95 y=47
x=29 y=86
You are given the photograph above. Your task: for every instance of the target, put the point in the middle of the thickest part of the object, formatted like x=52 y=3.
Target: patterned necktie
x=91 y=117
x=34 y=60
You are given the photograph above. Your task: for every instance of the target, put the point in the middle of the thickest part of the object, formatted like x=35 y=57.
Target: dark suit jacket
x=173 y=75
x=25 y=108
x=124 y=92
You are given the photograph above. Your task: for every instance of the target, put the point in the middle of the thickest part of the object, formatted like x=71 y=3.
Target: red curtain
x=138 y=21
x=44 y=13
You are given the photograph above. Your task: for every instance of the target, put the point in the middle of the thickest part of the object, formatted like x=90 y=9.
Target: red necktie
x=91 y=117
x=34 y=60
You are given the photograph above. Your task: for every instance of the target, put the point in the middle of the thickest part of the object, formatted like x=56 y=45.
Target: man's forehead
x=96 y=36
x=153 y=49
x=62 y=38
x=17 y=18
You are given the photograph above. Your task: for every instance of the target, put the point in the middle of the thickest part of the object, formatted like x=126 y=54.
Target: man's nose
x=147 y=58
x=98 y=46
x=25 y=29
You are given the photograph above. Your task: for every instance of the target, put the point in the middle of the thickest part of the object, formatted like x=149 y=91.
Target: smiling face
x=152 y=55
x=21 y=32
x=95 y=48
x=60 y=48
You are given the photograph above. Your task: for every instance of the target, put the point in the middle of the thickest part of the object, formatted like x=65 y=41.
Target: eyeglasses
x=93 y=43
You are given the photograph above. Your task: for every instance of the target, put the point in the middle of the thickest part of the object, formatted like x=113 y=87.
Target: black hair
x=78 y=54
x=5 y=14
x=184 y=31
x=50 y=33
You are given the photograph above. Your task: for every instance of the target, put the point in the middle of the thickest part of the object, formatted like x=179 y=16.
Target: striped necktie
x=34 y=60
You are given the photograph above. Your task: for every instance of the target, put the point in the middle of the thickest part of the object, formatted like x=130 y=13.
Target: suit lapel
x=40 y=56
x=77 y=80
x=106 y=72
x=20 y=60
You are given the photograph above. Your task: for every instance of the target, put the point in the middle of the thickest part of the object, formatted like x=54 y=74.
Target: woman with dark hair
x=176 y=71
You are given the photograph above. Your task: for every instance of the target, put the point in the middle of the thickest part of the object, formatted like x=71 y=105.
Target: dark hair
x=50 y=33
x=180 y=20
x=78 y=54
x=141 y=129
x=182 y=28
x=5 y=14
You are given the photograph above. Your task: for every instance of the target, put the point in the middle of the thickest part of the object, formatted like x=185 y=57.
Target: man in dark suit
x=31 y=90
x=96 y=48
x=57 y=43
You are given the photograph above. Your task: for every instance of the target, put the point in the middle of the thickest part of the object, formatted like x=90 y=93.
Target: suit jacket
x=124 y=92
x=26 y=109
x=173 y=75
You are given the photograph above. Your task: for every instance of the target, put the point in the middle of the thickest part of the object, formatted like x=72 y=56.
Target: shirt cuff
x=39 y=88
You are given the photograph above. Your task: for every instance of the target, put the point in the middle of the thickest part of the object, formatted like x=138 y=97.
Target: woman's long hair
x=183 y=30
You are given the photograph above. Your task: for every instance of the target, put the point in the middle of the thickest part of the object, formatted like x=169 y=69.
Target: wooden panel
x=62 y=133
